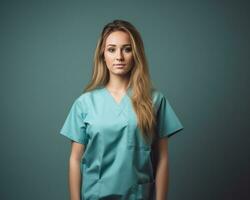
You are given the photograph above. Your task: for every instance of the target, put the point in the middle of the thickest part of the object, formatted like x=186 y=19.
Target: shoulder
x=158 y=97
x=86 y=98
x=88 y=95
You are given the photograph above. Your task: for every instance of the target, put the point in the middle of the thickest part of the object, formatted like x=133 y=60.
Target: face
x=118 y=50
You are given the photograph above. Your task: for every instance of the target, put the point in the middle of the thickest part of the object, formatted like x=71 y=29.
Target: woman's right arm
x=77 y=151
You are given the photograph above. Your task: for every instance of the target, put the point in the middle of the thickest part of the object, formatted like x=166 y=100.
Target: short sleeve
x=167 y=121
x=74 y=127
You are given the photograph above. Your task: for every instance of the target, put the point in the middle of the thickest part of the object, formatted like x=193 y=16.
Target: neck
x=118 y=83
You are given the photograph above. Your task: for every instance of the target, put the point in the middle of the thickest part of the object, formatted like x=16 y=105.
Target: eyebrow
x=122 y=45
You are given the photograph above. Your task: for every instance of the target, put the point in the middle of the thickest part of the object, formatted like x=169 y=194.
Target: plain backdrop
x=198 y=54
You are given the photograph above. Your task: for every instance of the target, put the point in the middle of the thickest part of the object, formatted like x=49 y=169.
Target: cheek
x=108 y=59
x=130 y=59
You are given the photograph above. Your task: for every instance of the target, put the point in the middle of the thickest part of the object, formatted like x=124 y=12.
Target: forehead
x=118 y=38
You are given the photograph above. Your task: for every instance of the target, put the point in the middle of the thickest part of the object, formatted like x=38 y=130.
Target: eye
x=111 y=49
x=128 y=49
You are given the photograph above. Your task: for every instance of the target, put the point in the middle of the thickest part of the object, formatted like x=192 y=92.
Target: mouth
x=119 y=64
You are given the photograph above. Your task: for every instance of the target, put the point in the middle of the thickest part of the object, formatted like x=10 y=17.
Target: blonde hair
x=139 y=81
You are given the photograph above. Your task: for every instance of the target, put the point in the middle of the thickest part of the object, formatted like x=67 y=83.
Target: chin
x=119 y=72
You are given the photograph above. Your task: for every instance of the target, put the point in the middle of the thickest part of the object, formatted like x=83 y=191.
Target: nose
x=119 y=55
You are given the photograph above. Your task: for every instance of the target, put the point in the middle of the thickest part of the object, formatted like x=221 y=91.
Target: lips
x=119 y=64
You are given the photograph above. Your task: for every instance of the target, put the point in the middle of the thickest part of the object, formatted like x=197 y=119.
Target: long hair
x=139 y=81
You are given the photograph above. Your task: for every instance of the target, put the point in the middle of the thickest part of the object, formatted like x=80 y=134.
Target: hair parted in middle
x=139 y=81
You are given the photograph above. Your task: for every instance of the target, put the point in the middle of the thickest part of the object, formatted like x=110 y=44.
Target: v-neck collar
x=122 y=100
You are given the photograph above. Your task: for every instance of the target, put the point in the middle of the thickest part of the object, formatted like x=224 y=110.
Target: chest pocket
x=135 y=138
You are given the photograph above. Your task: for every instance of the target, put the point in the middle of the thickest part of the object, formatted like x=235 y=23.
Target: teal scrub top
x=116 y=163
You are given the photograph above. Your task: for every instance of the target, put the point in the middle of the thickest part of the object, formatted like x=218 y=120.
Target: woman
x=120 y=125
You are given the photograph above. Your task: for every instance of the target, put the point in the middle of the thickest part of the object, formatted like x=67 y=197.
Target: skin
x=162 y=171
x=118 y=49
x=119 y=52
x=77 y=151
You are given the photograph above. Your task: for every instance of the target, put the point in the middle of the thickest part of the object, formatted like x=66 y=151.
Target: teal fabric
x=116 y=163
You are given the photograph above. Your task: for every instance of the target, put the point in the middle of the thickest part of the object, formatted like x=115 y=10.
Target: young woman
x=119 y=126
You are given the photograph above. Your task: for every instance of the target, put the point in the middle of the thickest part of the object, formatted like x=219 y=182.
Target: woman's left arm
x=162 y=170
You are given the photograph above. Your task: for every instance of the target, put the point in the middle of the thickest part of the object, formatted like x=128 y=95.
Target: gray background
x=198 y=52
